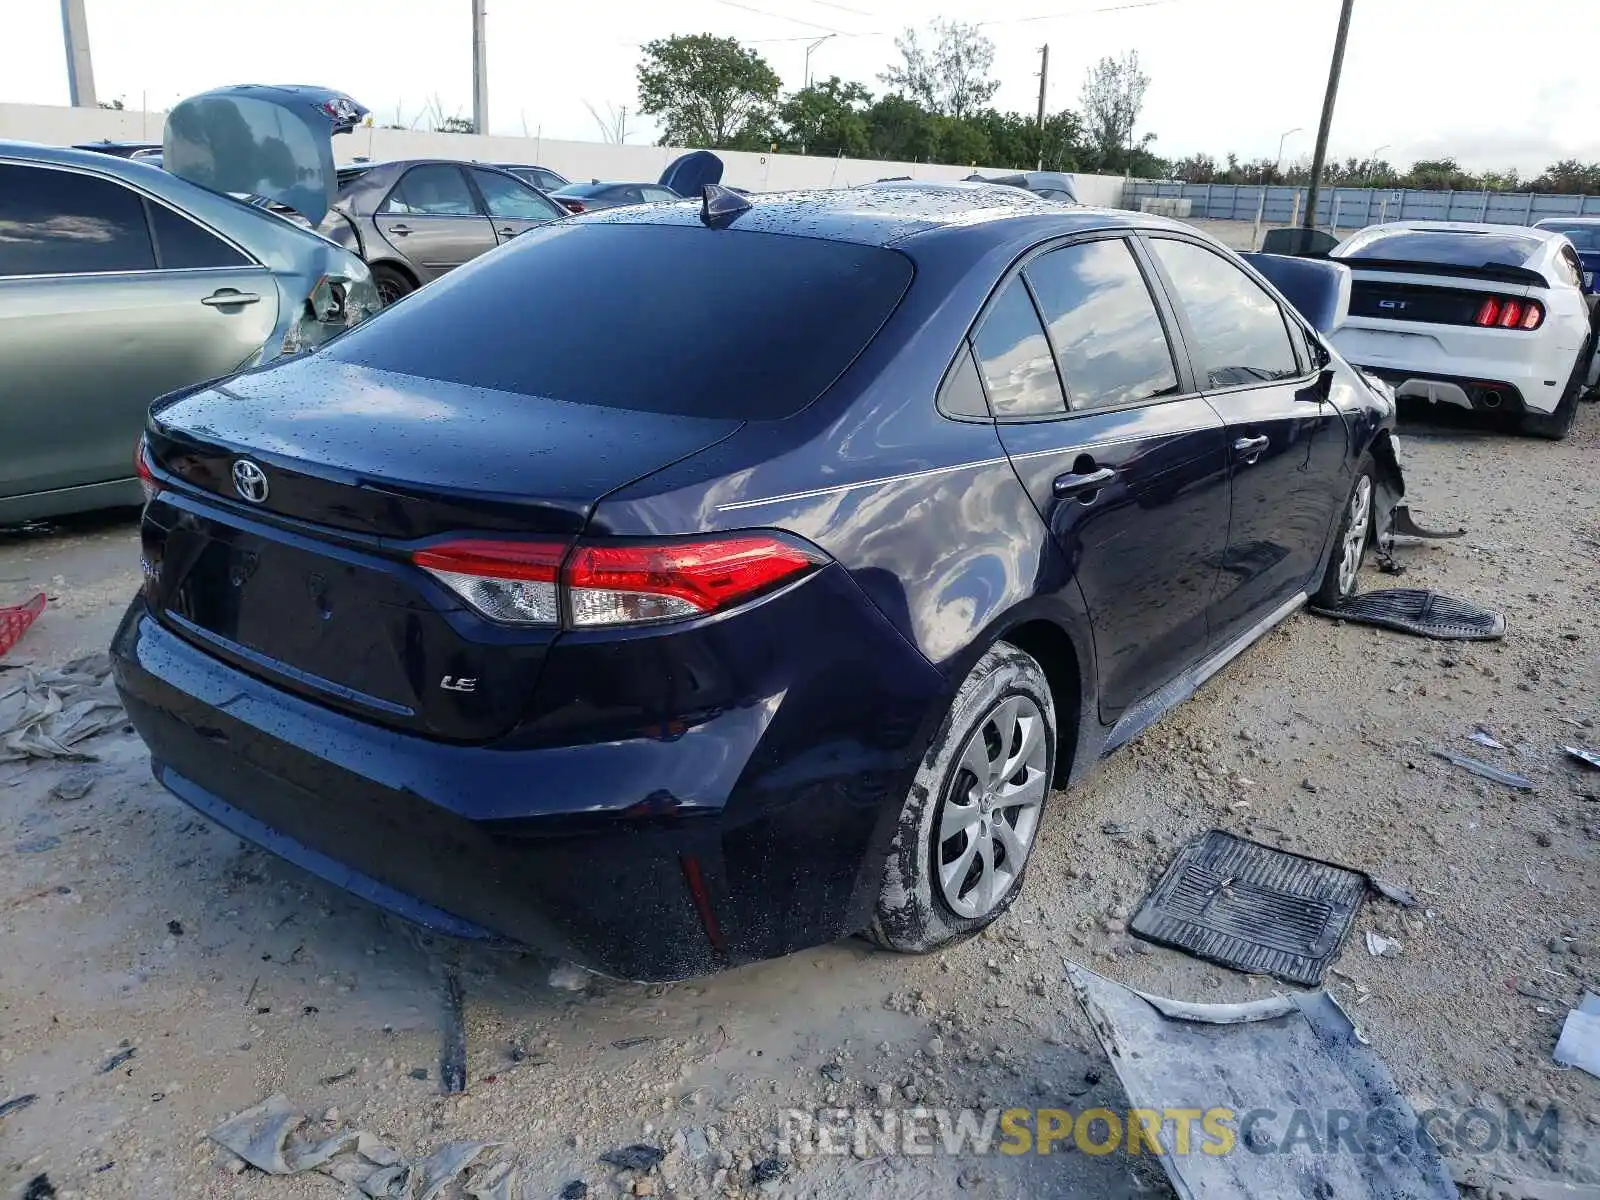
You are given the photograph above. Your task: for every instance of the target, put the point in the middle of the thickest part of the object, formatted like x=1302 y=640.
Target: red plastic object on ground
x=15 y=621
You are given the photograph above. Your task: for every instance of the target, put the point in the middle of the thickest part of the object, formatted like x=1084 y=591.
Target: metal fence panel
x=1347 y=209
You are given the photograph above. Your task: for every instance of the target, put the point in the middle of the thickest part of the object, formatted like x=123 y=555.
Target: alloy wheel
x=1355 y=537
x=991 y=815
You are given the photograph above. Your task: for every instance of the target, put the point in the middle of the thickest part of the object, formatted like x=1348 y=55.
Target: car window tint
x=1015 y=359
x=659 y=193
x=548 y=180
x=962 y=392
x=64 y=223
x=656 y=318
x=505 y=197
x=184 y=246
x=1103 y=324
x=1239 y=331
x=435 y=190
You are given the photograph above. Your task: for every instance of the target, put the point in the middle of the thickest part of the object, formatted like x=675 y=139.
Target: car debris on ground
x=50 y=712
x=1284 y=1056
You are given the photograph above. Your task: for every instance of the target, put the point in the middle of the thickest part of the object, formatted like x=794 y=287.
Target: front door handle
x=401 y=230
x=1250 y=448
x=228 y=297
x=1084 y=486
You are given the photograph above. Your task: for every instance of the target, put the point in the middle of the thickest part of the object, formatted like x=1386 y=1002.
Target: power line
x=761 y=12
x=1077 y=12
x=860 y=12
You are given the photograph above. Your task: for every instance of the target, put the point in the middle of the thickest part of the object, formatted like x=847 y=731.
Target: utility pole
x=1309 y=218
x=80 y=71
x=480 y=71
x=1044 y=82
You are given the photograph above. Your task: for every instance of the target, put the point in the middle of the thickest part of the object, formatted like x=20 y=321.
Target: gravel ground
x=232 y=977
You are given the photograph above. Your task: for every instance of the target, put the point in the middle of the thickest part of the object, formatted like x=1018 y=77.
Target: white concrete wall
x=576 y=160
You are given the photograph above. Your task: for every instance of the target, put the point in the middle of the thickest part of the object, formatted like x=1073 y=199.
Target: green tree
x=949 y=78
x=827 y=118
x=708 y=91
x=960 y=141
x=1112 y=99
x=902 y=130
x=1569 y=177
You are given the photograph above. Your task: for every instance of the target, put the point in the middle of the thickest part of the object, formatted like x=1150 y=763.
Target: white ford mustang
x=1488 y=317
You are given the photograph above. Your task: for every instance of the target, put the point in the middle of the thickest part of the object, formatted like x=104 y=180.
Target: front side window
x=1569 y=267
x=1240 y=336
x=55 y=222
x=435 y=190
x=1103 y=324
x=505 y=197
x=1014 y=358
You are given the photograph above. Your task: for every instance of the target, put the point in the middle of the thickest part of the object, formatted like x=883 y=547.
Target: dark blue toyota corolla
x=681 y=586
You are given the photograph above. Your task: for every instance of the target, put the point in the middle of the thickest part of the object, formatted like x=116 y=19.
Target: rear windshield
x=584 y=189
x=657 y=318
x=1585 y=237
x=1447 y=247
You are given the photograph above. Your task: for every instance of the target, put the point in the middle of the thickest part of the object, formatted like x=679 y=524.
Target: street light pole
x=1372 y=161
x=1309 y=220
x=809 y=49
x=1277 y=163
x=480 y=71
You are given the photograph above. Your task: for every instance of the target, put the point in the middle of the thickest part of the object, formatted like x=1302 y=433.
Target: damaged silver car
x=121 y=282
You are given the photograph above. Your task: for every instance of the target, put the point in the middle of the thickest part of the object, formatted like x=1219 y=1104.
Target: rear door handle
x=1069 y=485
x=1250 y=448
x=508 y=232
x=227 y=298
x=402 y=230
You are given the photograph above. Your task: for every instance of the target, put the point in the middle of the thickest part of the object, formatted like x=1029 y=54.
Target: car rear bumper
x=1469 y=363
x=650 y=858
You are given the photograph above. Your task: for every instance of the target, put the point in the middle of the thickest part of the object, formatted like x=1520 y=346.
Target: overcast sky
x=1492 y=84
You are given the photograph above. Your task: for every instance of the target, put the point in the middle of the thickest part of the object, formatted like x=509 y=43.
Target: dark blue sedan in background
x=685 y=585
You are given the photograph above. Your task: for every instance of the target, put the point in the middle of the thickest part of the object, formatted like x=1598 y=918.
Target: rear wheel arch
x=1052 y=647
x=398 y=267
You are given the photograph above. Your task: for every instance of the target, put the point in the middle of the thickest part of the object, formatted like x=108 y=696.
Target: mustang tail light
x=608 y=584
x=1509 y=313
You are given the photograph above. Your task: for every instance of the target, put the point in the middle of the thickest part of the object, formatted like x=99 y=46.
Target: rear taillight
x=1497 y=313
x=511 y=582
x=573 y=205
x=147 y=476
x=608 y=584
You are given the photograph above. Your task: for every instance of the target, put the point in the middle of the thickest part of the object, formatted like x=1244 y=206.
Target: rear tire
x=391 y=283
x=1557 y=425
x=1351 y=539
x=971 y=820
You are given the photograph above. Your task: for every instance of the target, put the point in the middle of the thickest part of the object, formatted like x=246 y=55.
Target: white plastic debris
x=1580 y=1037
x=48 y=712
x=264 y=1136
x=1382 y=947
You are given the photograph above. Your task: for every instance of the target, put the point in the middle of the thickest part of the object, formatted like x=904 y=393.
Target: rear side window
x=55 y=222
x=504 y=197
x=435 y=190
x=656 y=318
x=1014 y=358
x=1103 y=324
x=184 y=246
x=1570 y=267
x=1240 y=336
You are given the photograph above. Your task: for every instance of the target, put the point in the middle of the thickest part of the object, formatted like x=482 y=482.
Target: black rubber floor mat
x=1252 y=908
x=1426 y=614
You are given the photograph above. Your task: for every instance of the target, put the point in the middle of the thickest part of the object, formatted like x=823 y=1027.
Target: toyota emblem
x=249 y=480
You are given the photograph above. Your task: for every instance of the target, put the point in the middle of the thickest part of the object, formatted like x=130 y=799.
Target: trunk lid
x=310 y=585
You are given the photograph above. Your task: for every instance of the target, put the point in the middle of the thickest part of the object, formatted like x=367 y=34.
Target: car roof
x=1572 y=220
x=886 y=216
x=1529 y=231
